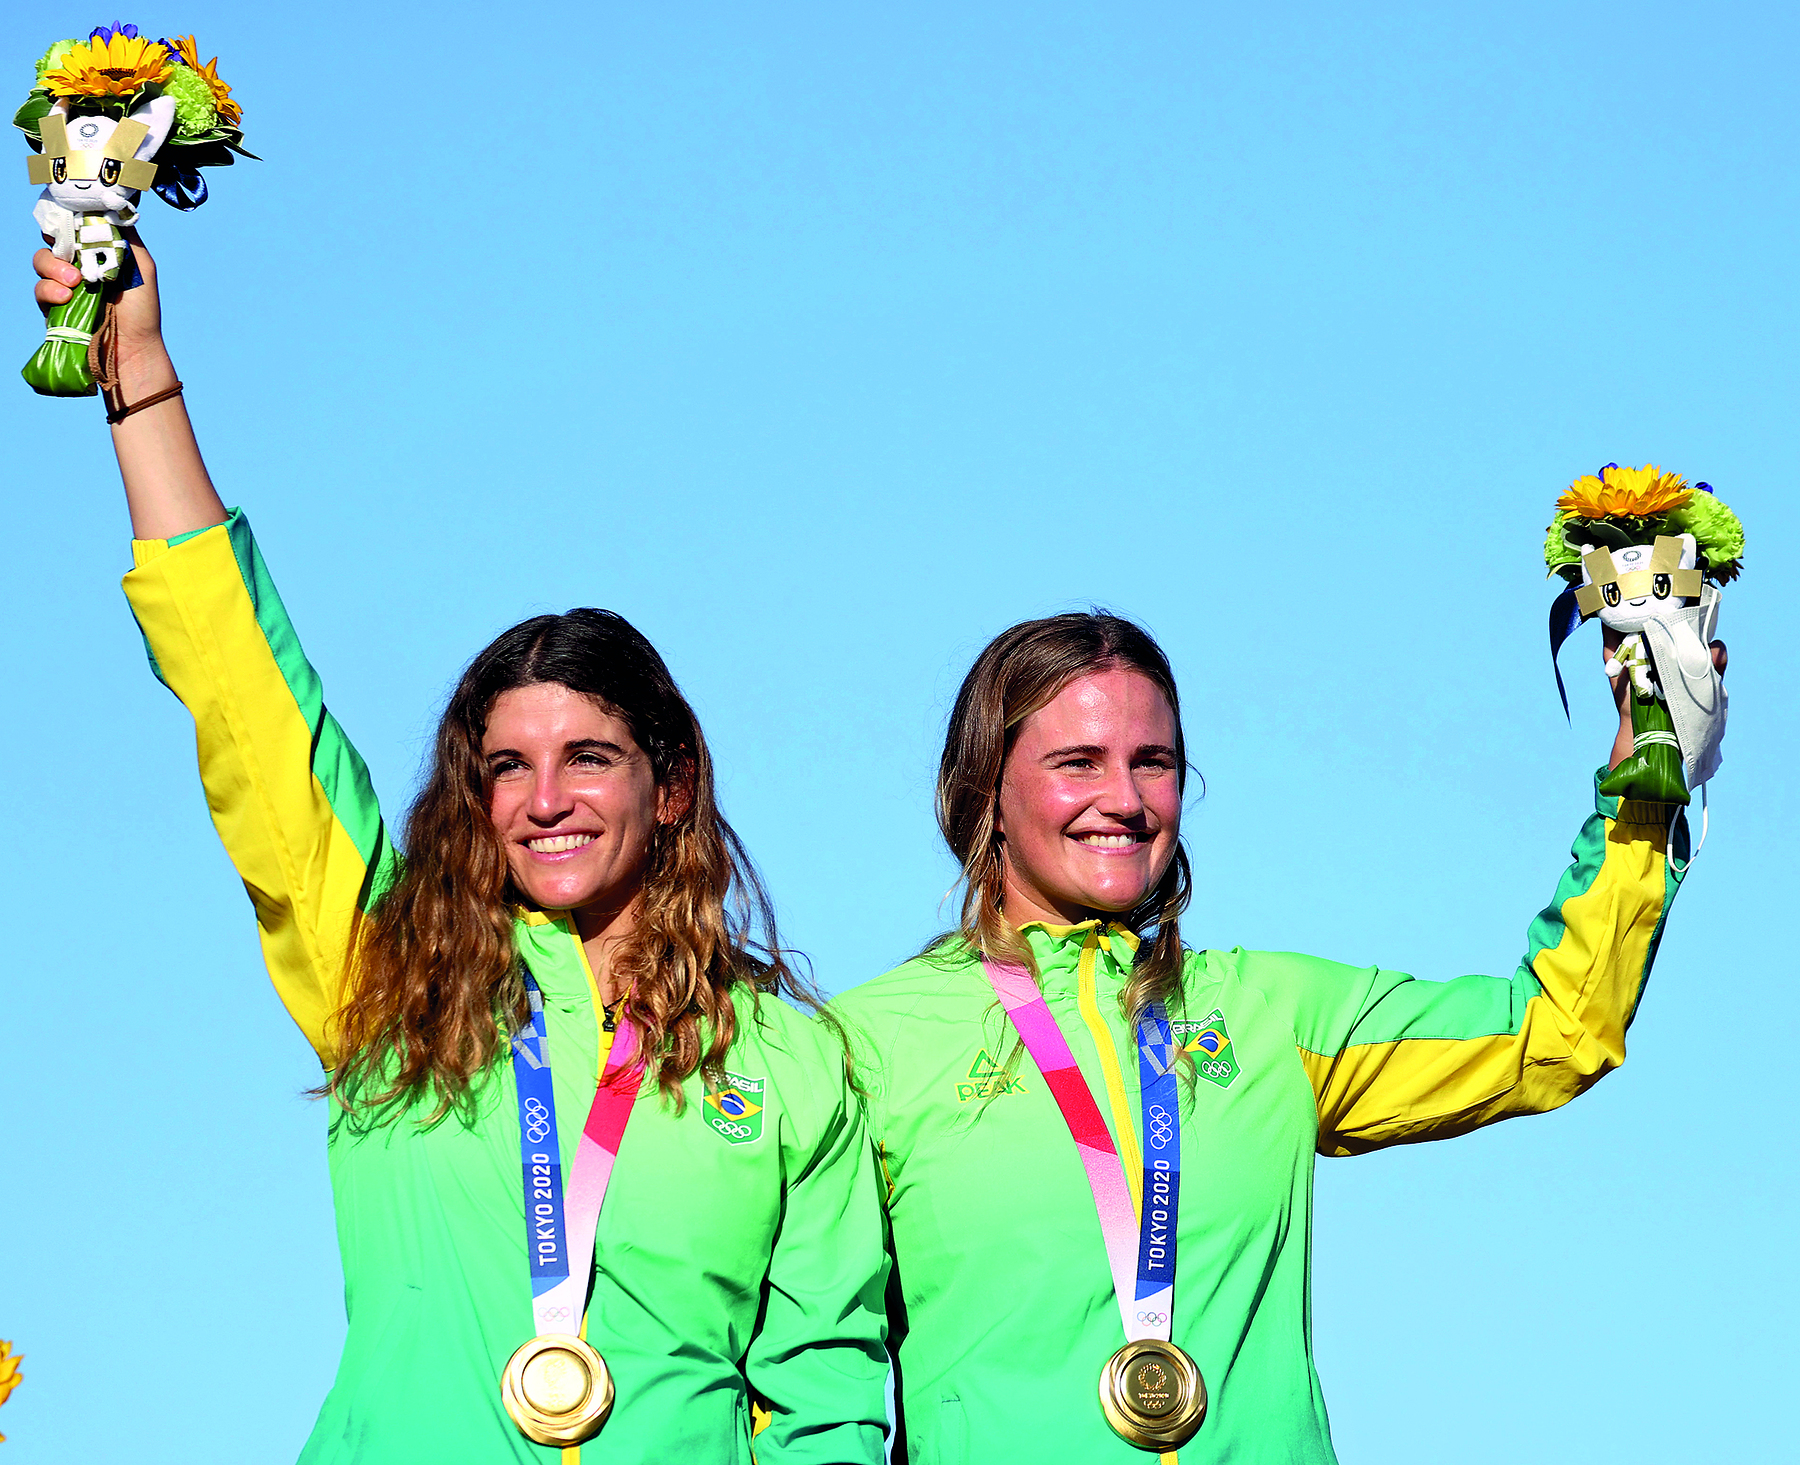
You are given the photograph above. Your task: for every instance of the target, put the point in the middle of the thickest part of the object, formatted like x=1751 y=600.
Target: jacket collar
x=1059 y=952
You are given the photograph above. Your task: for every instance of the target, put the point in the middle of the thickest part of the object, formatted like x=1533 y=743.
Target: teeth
x=1110 y=841
x=555 y=844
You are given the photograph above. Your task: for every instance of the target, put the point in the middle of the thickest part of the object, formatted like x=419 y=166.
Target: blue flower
x=104 y=33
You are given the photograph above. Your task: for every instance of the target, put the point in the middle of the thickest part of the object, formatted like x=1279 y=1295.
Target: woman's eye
x=504 y=767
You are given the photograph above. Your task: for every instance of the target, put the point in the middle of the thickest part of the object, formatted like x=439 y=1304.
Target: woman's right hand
x=166 y=483
x=143 y=362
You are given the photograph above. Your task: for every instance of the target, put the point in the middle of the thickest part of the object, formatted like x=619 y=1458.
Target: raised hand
x=166 y=483
x=1610 y=641
x=142 y=363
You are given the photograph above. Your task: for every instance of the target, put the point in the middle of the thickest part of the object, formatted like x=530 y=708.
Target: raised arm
x=1394 y=1060
x=289 y=795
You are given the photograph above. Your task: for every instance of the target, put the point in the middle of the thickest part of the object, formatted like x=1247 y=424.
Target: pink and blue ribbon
x=1140 y=1248
x=559 y=1224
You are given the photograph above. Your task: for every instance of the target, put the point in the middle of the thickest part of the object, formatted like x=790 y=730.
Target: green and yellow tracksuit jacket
x=1002 y=1305
x=736 y=1253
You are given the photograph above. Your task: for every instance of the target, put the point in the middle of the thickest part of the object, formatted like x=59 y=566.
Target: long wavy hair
x=434 y=984
x=1020 y=671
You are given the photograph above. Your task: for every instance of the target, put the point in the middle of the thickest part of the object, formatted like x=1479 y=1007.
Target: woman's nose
x=549 y=800
x=1121 y=798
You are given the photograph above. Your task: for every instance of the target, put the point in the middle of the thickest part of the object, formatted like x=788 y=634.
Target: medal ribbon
x=1144 y=1274
x=559 y=1226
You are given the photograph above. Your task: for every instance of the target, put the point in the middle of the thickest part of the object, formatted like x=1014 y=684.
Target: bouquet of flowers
x=107 y=118
x=1647 y=554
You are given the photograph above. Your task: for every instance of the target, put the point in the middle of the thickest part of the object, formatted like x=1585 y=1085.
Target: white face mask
x=1630 y=614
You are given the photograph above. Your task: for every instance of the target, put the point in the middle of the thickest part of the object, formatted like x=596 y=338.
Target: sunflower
x=117 y=66
x=1626 y=492
x=229 y=112
x=9 y=1373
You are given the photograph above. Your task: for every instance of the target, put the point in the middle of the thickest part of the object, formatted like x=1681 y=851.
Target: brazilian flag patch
x=1209 y=1040
x=734 y=1108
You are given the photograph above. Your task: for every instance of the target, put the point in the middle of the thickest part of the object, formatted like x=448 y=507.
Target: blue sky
x=824 y=342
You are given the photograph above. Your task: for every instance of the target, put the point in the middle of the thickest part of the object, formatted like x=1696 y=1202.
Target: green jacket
x=735 y=1254
x=1002 y=1306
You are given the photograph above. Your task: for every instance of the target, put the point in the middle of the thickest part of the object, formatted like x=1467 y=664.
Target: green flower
x=1716 y=530
x=194 y=114
x=53 y=57
x=1557 y=554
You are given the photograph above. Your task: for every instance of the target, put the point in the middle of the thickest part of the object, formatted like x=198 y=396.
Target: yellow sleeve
x=289 y=795
x=1394 y=1060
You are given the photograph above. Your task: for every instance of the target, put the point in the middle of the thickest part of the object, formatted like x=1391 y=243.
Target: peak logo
x=987 y=1080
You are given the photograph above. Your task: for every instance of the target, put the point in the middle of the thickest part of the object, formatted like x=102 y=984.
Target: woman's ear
x=675 y=798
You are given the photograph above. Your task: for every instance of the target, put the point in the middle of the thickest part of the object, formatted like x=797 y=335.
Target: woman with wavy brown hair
x=1037 y=1080
x=595 y=1177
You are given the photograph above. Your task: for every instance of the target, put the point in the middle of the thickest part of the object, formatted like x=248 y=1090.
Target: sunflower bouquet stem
x=1652 y=770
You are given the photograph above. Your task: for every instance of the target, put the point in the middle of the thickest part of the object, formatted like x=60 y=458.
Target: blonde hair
x=1020 y=671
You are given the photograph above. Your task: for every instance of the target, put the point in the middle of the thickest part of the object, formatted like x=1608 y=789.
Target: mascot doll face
x=93 y=182
x=1642 y=584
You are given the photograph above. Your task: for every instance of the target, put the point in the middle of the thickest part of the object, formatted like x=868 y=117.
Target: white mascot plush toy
x=93 y=168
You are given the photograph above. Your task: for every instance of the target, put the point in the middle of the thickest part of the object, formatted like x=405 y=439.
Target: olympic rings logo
x=556 y=1314
x=1153 y=1319
x=537 y=1121
x=1162 y=1128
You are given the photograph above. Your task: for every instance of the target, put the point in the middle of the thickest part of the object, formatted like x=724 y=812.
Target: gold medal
x=557 y=1390
x=1153 y=1395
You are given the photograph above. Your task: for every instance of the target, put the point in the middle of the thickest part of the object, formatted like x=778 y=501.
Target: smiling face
x=574 y=799
x=1090 y=800
x=1632 y=615
x=90 y=134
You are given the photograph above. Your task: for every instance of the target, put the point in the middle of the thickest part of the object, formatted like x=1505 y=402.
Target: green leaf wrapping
x=1652 y=772
x=59 y=368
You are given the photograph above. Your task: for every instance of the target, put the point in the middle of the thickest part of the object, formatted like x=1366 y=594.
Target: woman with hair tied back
x=559 y=974
x=1036 y=1079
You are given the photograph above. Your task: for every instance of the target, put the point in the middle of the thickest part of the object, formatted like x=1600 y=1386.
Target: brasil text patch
x=734 y=1108
x=1209 y=1041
